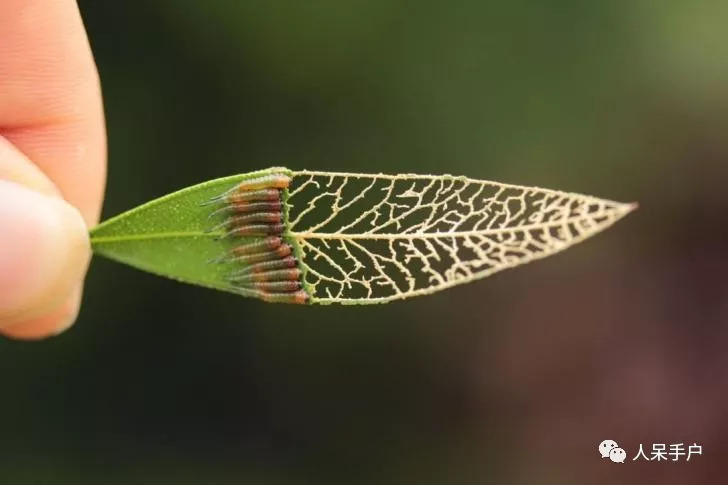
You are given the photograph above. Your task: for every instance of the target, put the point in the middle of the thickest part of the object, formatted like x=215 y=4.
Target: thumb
x=44 y=253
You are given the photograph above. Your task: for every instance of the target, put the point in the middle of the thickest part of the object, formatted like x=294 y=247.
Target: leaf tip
x=629 y=207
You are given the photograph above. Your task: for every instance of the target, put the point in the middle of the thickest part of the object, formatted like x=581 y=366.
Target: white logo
x=617 y=455
x=606 y=446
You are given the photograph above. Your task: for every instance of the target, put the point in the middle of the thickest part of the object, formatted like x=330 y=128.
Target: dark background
x=513 y=379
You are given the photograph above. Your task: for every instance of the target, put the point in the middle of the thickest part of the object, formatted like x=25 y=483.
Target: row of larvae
x=270 y=270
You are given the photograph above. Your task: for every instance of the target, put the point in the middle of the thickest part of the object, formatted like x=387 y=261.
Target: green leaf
x=323 y=237
x=168 y=236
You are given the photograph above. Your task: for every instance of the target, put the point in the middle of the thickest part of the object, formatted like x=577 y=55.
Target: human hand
x=52 y=164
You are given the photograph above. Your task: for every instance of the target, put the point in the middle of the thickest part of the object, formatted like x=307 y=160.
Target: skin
x=52 y=164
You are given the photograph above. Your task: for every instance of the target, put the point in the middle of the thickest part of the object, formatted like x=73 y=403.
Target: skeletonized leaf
x=323 y=237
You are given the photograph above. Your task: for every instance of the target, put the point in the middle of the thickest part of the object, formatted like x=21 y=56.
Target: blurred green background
x=514 y=379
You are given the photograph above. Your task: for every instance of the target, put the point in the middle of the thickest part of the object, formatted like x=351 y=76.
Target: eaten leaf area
x=378 y=238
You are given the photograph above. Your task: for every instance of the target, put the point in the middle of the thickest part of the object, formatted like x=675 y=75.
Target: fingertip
x=44 y=253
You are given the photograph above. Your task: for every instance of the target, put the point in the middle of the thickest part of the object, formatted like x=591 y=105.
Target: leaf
x=324 y=237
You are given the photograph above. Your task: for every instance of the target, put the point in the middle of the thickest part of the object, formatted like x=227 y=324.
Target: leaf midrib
x=615 y=213
x=156 y=235
x=387 y=236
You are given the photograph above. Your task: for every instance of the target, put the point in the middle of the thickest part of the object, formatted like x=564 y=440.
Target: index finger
x=50 y=99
